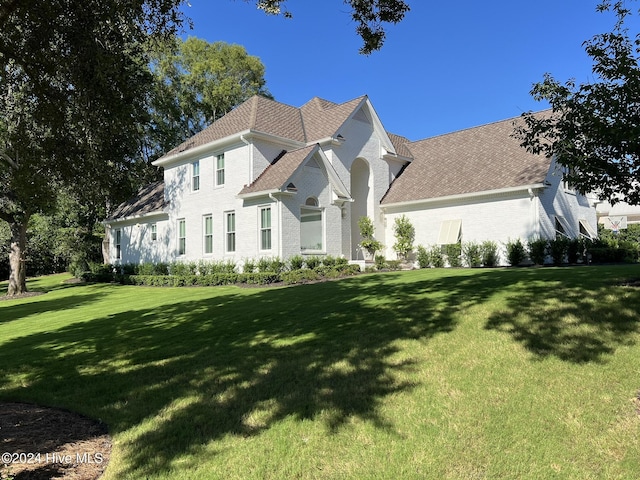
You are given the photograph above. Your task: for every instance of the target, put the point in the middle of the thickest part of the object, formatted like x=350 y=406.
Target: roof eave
x=200 y=149
x=156 y=214
x=465 y=196
x=265 y=193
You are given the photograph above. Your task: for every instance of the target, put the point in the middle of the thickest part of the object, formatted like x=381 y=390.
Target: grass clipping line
x=50 y=443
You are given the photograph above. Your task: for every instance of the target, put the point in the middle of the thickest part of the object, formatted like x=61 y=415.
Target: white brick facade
x=348 y=176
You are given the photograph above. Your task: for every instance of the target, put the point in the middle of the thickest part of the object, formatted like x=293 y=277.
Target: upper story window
x=220 y=170
x=195 y=176
x=154 y=232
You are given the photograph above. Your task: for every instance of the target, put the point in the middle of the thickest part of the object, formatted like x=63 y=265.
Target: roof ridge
x=482 y=125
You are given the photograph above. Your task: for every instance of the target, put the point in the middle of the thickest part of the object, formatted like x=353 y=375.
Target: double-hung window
x=154 y=232
x=182 y=237
x=118 y=244
x=230 y=231
x=195 y=176
x=208 y=234
x=265 y=228
x=220 y=170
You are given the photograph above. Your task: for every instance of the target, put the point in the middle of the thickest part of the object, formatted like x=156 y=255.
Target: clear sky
x=447 y=66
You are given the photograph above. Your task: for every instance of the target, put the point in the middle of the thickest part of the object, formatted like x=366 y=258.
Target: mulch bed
x=40 y=443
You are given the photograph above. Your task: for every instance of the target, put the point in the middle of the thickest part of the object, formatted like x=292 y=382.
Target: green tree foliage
x=73 y=89
x=594 y=128
x=405 y=234
x=370 y=17
x=196 y=82
x=368 y=242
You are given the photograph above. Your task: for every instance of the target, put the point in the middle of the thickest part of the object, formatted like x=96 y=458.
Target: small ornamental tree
x=368 y=242
x=405 y=235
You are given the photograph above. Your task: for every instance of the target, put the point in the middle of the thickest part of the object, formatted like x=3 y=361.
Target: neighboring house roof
x=149 y=199
x=277 y=177
x=478 y=159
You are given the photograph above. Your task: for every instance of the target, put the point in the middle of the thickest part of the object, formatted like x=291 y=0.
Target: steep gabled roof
x=277 y=176
x=478 y=159
x=322 y=118
x=316 y=120
x=258 y=114
x=149 y=199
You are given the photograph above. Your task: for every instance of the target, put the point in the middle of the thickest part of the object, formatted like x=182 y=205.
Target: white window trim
x=206 y=235
x=322 y=250
x=233 y=232
x=118 y=243
x=195 y=179
x=154 y=232
x=182 y=220
x=218 y=184
x=261 y=228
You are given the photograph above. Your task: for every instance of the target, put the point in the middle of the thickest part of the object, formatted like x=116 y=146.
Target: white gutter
x=464 y=196
x=223 y=142
x=147 y=216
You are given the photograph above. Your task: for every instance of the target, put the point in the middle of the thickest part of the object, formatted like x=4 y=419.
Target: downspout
x=279 y=204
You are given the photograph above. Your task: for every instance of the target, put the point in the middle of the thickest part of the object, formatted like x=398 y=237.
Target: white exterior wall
x=136 y=242
x=498 y=218
x=556 y=199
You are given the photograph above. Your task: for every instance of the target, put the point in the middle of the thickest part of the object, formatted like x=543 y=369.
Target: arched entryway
x=362 y=194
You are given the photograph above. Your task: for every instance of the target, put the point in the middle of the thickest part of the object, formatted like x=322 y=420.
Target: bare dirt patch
x=40 y=443
x=21 y=295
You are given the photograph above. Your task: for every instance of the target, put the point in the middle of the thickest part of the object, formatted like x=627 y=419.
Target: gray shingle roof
x=473 y=160
x=276 y=175
x=148 y=200
x=316 y=120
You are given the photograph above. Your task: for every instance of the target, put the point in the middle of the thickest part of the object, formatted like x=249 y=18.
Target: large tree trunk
x=18 y=275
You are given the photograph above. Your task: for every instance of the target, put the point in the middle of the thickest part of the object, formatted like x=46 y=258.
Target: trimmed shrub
x=454 y=252
x=380 y=262
x=423 y=257
x=515 y=252
x=472 y=254
x=329 y=261
x=436 y=257
x=296 y=262
x=537 y=248
x=557 y=249
x=249 y=266
x=313 y=262
x=489 y=252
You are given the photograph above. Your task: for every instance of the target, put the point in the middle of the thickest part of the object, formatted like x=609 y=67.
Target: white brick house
x=269 y=179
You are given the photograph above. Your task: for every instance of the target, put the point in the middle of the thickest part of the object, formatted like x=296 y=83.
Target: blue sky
x=447 y=66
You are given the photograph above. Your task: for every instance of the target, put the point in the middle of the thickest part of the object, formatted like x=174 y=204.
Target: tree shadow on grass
x=184 y=374
x=567 y=320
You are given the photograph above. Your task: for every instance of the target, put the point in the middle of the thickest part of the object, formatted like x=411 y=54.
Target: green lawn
x=460 y=374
